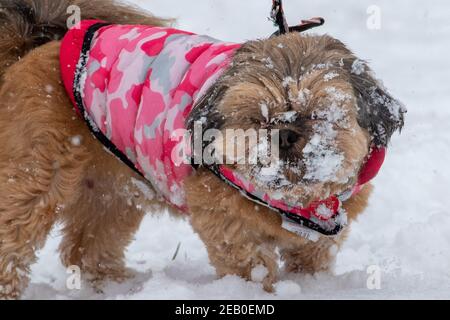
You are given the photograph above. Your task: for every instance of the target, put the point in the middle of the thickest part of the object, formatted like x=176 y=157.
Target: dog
x=53 y=168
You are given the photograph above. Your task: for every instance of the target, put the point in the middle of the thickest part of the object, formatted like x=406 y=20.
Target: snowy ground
x=405 y=231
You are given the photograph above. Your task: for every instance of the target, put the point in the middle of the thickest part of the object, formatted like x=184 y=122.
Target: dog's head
x=322 y=103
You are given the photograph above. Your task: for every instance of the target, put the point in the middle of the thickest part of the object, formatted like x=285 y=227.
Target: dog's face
x=321 y=105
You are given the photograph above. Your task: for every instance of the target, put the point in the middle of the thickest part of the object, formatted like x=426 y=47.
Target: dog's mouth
x=325 y=216
x=293 y=183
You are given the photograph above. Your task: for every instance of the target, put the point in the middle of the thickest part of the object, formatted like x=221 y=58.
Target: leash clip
x=278 y=16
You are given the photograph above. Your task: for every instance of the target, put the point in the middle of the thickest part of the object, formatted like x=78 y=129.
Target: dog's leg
x=40 y=168
x=234 y=233
x=102 y=224
x=311 y=257
x=37 y=181
x=235 y=250
x=34 y=190
x=52 y=167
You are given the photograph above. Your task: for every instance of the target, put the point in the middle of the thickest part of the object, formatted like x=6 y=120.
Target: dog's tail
x=27 y=24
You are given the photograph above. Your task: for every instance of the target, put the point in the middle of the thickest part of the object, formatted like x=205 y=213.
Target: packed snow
x=404 y=235
x=322 y=159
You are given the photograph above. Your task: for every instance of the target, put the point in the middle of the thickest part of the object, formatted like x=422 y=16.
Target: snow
x=265 y=112
x=330 y=76
x=322 y=160
x=259 y=273
x=268 y=62
x=405 y=232
x=288 y=81
x=144 y=189
x=76 y=140
x=271 y=175
x=288 y=288
x=49 y=88
x=303 y=96
x=286 y=117
x=358 y=67
x=325 y=212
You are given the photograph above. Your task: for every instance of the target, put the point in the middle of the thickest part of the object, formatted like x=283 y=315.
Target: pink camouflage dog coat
x=136 y=85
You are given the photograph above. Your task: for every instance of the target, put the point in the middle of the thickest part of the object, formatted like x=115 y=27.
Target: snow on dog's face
x=320 y=105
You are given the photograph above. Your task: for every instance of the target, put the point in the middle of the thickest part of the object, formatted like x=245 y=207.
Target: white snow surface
x=406 y=229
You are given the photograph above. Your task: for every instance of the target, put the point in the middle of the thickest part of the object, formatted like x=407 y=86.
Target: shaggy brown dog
x=47 y=175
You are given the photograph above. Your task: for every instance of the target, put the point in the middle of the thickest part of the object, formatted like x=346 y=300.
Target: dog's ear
x=379 y=112
x=206 y=111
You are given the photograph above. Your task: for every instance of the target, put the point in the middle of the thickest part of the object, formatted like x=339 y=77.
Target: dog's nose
x=288 y=138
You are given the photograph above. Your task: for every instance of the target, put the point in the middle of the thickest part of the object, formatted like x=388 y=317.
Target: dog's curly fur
x=46 y=176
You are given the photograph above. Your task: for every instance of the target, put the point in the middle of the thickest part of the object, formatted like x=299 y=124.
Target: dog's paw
x=267 y=277
x=99 y=280
x=310 y=259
